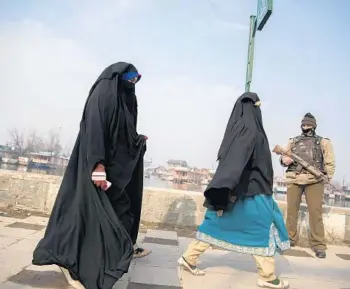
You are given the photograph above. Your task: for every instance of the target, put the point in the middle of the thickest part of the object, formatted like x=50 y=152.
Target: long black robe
x=245 y=165
x=88 y=231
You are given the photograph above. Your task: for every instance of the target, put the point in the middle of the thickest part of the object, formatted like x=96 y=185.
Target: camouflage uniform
x=318 y=152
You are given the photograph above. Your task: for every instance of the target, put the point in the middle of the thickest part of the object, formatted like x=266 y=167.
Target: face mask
x=128 y=84
x=308 y=131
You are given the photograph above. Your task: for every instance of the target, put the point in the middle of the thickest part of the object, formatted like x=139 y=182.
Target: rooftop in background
x=177 y=163
x=47 y=154
x=5 y=148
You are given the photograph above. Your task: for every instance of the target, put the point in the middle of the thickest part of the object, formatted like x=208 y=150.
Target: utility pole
x=256 y=23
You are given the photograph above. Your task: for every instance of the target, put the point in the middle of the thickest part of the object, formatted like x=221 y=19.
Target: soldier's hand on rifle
x=287 y=160
x=327 y=177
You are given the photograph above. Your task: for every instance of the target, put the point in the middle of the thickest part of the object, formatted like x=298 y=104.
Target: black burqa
x=245 y=165
x=89 y=230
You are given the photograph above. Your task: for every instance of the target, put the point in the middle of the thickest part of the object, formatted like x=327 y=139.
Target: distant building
x=23 y=161
x=177 y=164
x=180 y=174
x=346 y=190
x=160 y=170
x=279 y=185
x=196 y=175
x=4 y=149
x=8 y=155
x=46 y=158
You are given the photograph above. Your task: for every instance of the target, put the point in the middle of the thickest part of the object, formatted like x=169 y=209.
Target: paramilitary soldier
x=318 y=152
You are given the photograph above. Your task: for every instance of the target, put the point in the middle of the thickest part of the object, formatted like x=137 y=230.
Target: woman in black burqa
x=241 y=214
x=93 y=227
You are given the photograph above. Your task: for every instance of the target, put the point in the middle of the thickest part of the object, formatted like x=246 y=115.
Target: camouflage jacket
x=305 y=178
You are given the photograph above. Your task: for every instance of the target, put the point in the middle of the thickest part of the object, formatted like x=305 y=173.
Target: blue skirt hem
x=275 y=244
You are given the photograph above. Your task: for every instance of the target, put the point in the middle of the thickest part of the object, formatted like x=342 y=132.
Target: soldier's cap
x=309 y=119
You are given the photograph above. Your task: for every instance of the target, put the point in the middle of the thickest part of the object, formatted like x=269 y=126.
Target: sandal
x=191 y=268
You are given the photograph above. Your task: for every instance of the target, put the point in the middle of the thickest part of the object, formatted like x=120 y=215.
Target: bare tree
x=17 y=140
x=34 y=143
x=54 y=142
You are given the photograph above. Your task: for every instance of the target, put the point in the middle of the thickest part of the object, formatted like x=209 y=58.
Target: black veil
x=88 y=230
x=242 y=133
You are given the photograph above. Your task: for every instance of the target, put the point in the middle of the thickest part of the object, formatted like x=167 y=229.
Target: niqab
x=238 y=150
x=89 y=230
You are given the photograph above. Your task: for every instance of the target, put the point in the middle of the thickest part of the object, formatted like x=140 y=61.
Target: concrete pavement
x=225 y=270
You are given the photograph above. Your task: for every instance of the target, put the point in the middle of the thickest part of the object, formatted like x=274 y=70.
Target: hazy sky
x=192 y=55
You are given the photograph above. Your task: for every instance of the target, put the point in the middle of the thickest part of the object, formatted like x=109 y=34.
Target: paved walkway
x=225 y=270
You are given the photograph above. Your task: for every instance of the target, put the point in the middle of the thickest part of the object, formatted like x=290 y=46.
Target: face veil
x=244 y=135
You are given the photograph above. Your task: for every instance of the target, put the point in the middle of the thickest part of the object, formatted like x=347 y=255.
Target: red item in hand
x=106 y=185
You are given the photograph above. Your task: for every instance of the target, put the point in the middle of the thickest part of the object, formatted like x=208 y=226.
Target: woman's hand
x=100 y=174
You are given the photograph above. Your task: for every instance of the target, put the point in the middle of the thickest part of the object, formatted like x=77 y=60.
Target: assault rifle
x=311 y=169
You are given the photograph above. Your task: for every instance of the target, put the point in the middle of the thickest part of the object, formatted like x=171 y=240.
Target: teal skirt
x=253 y=226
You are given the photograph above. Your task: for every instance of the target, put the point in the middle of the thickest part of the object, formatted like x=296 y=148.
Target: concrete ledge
x=36 y=192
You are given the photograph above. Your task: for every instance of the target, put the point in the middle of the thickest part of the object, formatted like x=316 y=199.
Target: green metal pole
x=250 y=61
